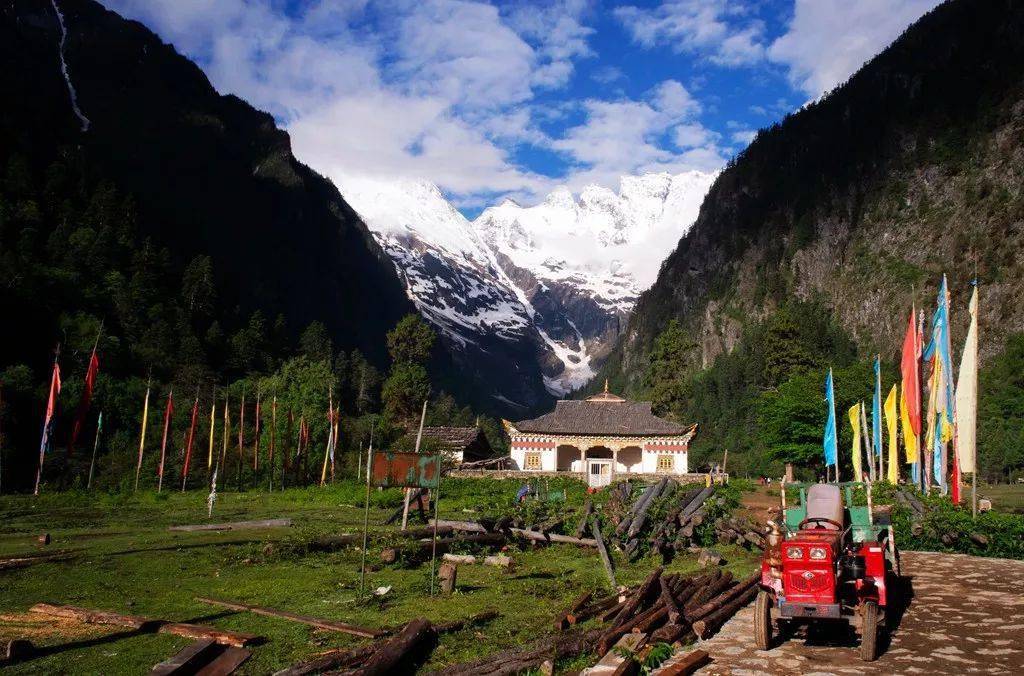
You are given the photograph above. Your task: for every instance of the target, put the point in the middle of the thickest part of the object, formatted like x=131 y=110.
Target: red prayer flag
x=51 y=407
x=83 y=406
x=911 y=376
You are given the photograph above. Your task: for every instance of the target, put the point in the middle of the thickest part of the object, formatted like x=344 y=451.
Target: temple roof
x=455 y=438
x=603 y=415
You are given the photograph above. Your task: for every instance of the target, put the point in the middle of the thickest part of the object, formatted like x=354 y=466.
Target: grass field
x=124 y=559
x=1004 y=497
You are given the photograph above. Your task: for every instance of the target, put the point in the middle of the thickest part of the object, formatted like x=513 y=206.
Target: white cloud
x=627 y=136
x=743 y=136
x=828 y=40
x=705 y=27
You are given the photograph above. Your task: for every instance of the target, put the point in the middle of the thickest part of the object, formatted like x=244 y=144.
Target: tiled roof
x=607 y=418
x=452 y=437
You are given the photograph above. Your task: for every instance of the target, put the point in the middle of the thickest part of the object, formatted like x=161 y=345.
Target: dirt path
x=965 y=615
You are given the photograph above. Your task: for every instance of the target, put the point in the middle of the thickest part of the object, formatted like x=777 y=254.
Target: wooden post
x=366 y=513
x=447 y=574
x=419 y=437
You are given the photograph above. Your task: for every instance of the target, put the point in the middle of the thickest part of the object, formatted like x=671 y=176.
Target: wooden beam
x=201 y=631
x=234 y=525
x=683 y=663
x=188 y=660
x=90 y=616
x=329 y=625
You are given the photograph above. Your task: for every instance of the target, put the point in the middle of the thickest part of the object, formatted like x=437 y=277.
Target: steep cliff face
x=863 y=200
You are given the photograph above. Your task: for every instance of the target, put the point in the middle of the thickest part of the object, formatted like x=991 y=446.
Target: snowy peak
x=557 y=280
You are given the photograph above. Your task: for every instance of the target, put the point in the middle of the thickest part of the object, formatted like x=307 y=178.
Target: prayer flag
x=858 y=474
x=909 y=436
x=876 y=410
x=163 y=444
x=188 y=444
x=83 y=405
x=892 y=471
x=967 y=394
x=830 y=441
x=911 y=377
x=142 y=436
x=51 y=408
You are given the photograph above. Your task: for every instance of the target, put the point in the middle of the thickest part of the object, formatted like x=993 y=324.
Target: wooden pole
x=273 y=441
x=419 y=437
x=329 y=625
x=867 y=443
x=142 y=435
x=366 y=512
x=437 y=502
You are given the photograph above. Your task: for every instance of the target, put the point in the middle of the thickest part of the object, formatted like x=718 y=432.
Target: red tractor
x=826 y=563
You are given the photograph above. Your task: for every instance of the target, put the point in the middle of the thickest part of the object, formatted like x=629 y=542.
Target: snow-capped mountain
x=554 y=282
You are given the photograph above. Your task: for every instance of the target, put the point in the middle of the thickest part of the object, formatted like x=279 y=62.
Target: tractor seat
x=824 y=501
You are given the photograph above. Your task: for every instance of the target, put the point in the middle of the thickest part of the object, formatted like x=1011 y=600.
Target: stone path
x=965 y=616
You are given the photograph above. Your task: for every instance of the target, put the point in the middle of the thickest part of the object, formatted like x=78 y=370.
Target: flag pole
x=47 y=420
x=419 y=437
x=142 y=436
x=366 y=511
x=95 y=446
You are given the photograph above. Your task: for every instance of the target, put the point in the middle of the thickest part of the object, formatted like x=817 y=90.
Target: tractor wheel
x=869 y=632
x=763 y=621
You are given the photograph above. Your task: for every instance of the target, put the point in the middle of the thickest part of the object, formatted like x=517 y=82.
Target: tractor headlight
x=794 y=553
x=819 y=553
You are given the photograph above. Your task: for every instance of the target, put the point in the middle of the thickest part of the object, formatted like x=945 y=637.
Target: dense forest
x=829 y=226
x=173 y=229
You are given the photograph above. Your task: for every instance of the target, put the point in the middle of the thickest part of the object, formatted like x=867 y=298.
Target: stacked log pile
x=740 y=531
x=673 y=532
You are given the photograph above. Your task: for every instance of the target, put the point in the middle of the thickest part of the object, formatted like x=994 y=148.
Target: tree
x=791 y=420
x=405 y=390
x=1001 y=413
x=198 y=290
x=411 y=341
x=666 y=368
x=316 y=343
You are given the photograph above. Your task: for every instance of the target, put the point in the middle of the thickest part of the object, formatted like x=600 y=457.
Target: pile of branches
x=740 y=531
x=670 y=528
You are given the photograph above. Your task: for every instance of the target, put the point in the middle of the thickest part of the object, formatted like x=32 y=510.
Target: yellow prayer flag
x=892 y=470
x=909 y=438
x=855 y=455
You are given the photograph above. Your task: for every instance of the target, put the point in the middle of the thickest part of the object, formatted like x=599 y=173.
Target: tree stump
x=446 y=574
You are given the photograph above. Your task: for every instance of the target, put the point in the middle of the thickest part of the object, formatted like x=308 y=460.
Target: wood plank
x=682 y=663
x=226 y=663
x=234 y=525
x=329 y=625
x=199 y=631
x=188 y=659
x=90 y=616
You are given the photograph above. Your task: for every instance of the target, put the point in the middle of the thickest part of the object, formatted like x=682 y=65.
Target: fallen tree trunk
x=624 y=525
x=640 y=517
x=538 y=536
x=333 y=660
x=403 y=650
x=602 y=551
x=91 y=616
x=234 y=525
x=682 y=664
x=640 y=597
x=201 y=631
x=721 y=600
x=330 y=625
x=593 y=609
x=467 y=526
x=588 y=509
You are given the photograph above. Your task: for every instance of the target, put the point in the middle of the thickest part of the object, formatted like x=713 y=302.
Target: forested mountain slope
x=133 y=193
x=812 y=244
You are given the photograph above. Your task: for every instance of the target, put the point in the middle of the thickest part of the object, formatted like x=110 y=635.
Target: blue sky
x=513 y=98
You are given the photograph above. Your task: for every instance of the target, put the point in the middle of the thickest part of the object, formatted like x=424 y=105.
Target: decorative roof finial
x=606 y=386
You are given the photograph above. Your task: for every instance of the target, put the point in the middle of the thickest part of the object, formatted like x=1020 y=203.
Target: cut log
x=682 y=663
x=447 y=574
x=464 y=559
x=670 y=633
x=468 y=526
x=696 y=503
x=24 y=561
x=593 y=609
x=562 y=621
x=707 y=626
x=334 y=659
x=90 y=616
x=602 y=551
x=644 y=592
x=723 y=599
x=709 y=590
x=498 y=561
x=329 y=625
x=673 y=609
x=624 y=525
x=588 y=509
x=43 y=539
x=640 y=515
x=235 y=525
x=507 y=663
x=979 y=539
x=202 y=631
x=402 y=652
x=538 y=536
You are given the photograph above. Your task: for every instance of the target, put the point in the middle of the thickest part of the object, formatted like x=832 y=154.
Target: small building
x=460 y=444
x=601 y=437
